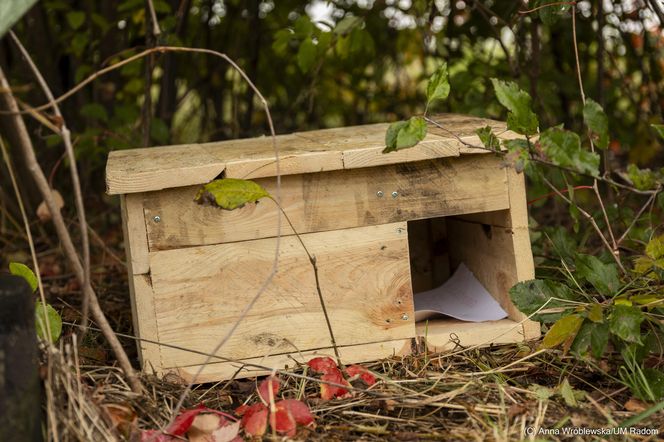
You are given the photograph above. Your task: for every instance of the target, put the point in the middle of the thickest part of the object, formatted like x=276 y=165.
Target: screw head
x=380 y=194
x=395 y=194
x=404 y=317
x=156 y=218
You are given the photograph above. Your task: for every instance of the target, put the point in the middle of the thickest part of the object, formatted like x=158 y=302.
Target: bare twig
x=153 y=18
x=78 y=196
x=312 y=261
x=27 y=149
x=637 y=216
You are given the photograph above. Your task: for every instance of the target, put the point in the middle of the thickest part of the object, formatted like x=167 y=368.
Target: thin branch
x=78 y=196
x=312 y=261
x=548 y=5
x=28 y=152
x=588 y=217
x=153 y=18
x=638 y=215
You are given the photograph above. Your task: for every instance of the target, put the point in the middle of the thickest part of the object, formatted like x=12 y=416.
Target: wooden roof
x=156 y=168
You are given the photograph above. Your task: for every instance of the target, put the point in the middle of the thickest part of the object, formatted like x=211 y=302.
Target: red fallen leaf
x=184 y=420
x=254 y=419
x=362 y=373
x=298 y=409
x=283 y=422
x=322 y=364
x=157 y=436
x=327 y=391
x=264 y=388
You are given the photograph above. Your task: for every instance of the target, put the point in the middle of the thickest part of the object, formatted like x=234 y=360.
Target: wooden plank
x=351 y=354
x=255 y=158
x=149 y=169
x=447 y=334
x=135 y=235
x=334 y=200
x=518 y=218
x=140 y=288
x=141 y=170
x=364 y=276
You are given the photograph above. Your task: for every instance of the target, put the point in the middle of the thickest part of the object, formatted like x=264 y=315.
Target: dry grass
x=466 y=396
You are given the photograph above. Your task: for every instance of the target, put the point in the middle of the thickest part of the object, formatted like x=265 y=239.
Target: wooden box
x=380 y=225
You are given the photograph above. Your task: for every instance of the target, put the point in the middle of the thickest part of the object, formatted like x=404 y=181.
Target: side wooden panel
x=444 y=334
x=364 y=276
x=334 y=200
x=140 y=287
x=351 y=354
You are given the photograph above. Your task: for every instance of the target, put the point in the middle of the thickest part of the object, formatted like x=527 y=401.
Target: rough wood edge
x=349 y=354
x=446 y=334
x=525 y=265
x=140 y=287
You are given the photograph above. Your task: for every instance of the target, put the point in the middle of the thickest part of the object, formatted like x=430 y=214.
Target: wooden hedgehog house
x=382 y=226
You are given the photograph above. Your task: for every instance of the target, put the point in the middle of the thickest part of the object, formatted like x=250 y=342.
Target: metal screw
x=380 y=194
x=404 y=317
x=395 y=194
x=156 y=218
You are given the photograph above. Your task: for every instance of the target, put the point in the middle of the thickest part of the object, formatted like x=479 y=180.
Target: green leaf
x=565 y=329
x=438 y=87
x=488 y=138
x=655 y=247
x=306 y=55
x=11 y=11
x=643 y=179
x=18 y=269
x=595 y=313
x=604 y=277
x=53 y=322
x=405 y=134
x=597 y=122
x=625 y=322
x=581 y=343
x=282 y=39
x=564 y=149
x=550 y=14
x=347 y=24
x=230 y=193
x=530 y=296
x=75 y=19
x=655 y=380
x=599 y=338
x=521 y=119
x=659 y=128
x=569 y=395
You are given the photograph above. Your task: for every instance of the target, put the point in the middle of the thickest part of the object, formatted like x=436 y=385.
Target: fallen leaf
x=322 y=364
x=203 y=426
x=43 y=212
x=227 y=433
x=254 y=419
x=358 y=371
x=298 y=409
x=328 y=391
x=264 y=388
x=282 y=421
x=157 y=436
x=634 y=405
x=516 y=410
x=122 y=417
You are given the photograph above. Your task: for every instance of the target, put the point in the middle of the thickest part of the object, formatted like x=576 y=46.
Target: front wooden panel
x=333 y=200
x=199 y=293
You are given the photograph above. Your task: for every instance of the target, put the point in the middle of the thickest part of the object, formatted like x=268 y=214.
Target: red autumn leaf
x=328 y=391
x=156 y=436
x=362 y=373
x=184 y=420
x=322 y=364
x=282 y=421
x=298 y=409
x=264 y=388
x=254 y=419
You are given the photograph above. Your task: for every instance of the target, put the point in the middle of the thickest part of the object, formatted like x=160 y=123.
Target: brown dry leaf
x=43 y=213
x=122 y=417
x=635 y=405
x=516 y=410
x=227 y=433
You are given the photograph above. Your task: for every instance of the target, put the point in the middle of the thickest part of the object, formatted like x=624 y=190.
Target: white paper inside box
x=382 y=227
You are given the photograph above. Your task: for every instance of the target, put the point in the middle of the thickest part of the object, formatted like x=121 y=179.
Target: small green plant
x=48 y=321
